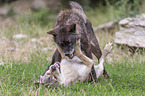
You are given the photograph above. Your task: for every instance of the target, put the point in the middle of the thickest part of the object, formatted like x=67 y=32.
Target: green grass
x=126 y=79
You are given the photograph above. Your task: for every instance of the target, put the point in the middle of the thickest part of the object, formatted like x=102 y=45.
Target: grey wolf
x=72 y=25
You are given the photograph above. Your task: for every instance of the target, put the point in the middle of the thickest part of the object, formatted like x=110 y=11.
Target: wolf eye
x=62 y=44
x=67 y=43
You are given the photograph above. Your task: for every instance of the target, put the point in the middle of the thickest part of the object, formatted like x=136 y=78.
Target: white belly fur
x=73 y=70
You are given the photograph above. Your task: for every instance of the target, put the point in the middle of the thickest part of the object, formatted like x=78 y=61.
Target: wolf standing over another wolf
x=72 y=25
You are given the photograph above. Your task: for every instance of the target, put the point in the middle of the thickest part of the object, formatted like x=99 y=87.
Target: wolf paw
x=108 y=48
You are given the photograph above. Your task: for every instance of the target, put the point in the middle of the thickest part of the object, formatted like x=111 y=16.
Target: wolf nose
x=66 y=54
x=53 y=67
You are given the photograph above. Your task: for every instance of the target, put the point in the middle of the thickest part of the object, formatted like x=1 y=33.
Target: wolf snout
x=67 y=54
x=70 y=55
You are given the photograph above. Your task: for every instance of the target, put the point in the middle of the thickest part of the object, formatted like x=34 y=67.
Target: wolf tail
x=75 y=5
x=77 y=8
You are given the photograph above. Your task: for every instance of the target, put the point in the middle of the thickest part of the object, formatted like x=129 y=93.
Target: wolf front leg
x=99 y=68
x=55 y=58
x=86 y=60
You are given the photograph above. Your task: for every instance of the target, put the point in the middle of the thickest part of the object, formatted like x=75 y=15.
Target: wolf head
x=65 y=37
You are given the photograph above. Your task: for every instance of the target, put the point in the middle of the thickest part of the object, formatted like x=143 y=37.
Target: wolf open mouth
x=70 y=56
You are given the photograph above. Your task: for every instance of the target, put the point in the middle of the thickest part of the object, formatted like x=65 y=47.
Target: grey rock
x=4 y=11
x=38 y=4
x=20 y=36
x=107 y=26
x=132 y=32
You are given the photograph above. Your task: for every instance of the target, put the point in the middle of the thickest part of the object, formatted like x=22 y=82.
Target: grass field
x=21 y=67
x=126 y=79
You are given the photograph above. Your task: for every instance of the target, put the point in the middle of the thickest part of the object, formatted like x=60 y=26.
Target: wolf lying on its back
x=72 y=25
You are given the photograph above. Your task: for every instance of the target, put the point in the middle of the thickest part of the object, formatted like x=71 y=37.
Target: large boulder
x=132 y=32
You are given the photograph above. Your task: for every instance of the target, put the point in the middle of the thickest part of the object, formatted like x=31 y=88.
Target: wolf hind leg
x=100 y=68
x=97 y=52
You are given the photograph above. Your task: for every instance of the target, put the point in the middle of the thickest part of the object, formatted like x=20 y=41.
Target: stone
x=109 y=26
x=132 y=32
x=38 y=4
x=4 y=11
x=20 y=36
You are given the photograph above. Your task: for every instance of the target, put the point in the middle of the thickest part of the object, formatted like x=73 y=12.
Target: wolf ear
x=72 y=27
x=52 y=32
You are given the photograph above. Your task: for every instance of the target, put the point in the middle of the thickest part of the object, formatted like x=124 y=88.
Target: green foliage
x=33 y=24
x=128 y=8
x=10 y=13
x=120 y=8
x=43 y=18
x=102 y=15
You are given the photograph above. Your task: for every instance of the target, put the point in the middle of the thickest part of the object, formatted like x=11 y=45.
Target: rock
x=38 y=4
x=132 y=32
x=4 y=11
x=124 y=21
x=20 y=36
x=53 y=5
x=112 y=25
